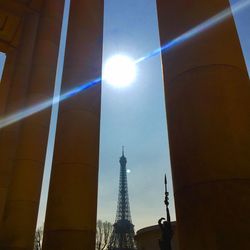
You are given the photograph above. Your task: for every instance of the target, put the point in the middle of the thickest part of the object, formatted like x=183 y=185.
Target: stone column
x=16 y=78
x=4 y=91
x=208 y=108
x=6 y=79
x=8 y=73
x=22 y=203
x=71 y=210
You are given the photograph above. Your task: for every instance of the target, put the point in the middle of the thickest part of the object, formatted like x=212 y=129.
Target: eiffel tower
x=122 y=237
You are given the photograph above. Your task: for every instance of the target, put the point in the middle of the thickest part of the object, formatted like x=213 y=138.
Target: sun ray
x=211 y=22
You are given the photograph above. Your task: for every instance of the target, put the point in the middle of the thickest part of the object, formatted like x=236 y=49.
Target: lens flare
x=121 y=77
x=46 y=104
x=211 y=22
x=119 y=71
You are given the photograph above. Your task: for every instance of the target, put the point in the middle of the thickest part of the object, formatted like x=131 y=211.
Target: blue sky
x=242 y=20
x=133 y=116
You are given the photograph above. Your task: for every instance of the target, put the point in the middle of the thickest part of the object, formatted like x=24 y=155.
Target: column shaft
x=71 y=210
x=22 y=203
x=8 y=71
x=207 y=98
x=18 y=78
x=4 y=91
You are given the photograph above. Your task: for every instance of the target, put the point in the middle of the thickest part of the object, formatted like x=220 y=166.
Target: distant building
x=148 y=238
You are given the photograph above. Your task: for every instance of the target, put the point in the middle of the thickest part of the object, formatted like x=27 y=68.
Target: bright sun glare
x=119 y=71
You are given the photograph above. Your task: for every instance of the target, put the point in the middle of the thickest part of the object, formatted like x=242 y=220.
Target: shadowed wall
x=71 y=211
x=207 y=98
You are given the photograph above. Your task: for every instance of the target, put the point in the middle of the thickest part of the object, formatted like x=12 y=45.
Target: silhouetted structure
x=122 y=237
x=165 y=225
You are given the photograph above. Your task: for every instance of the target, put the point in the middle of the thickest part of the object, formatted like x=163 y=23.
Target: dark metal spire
x=165 y=224
x=122 y=237
x=166 y=201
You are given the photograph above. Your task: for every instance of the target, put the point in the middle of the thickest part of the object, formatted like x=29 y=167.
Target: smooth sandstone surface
x=17 y=83
x=71 y=210
x=207 y=98
x=20 y=214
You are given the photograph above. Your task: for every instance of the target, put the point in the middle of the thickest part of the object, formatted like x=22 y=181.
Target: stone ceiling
x=12 y=13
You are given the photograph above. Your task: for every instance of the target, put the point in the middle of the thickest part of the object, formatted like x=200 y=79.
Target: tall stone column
x=4 y=92
x=22 y=203
x=8 y=70
x=208 y=108
x=8 y=73
x=71 y=209
x=16 y=78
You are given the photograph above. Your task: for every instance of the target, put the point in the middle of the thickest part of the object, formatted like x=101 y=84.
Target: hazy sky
x=133 y=116
x=242 y=20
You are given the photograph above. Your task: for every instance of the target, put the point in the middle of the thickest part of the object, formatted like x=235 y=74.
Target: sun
x=119 y=71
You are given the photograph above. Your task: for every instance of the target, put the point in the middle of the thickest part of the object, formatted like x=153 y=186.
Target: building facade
x=148 y=238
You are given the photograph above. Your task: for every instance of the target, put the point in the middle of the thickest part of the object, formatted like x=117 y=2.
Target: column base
x=69 y=239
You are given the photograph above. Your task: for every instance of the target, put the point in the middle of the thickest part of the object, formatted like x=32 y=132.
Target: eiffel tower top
x=123 y=159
